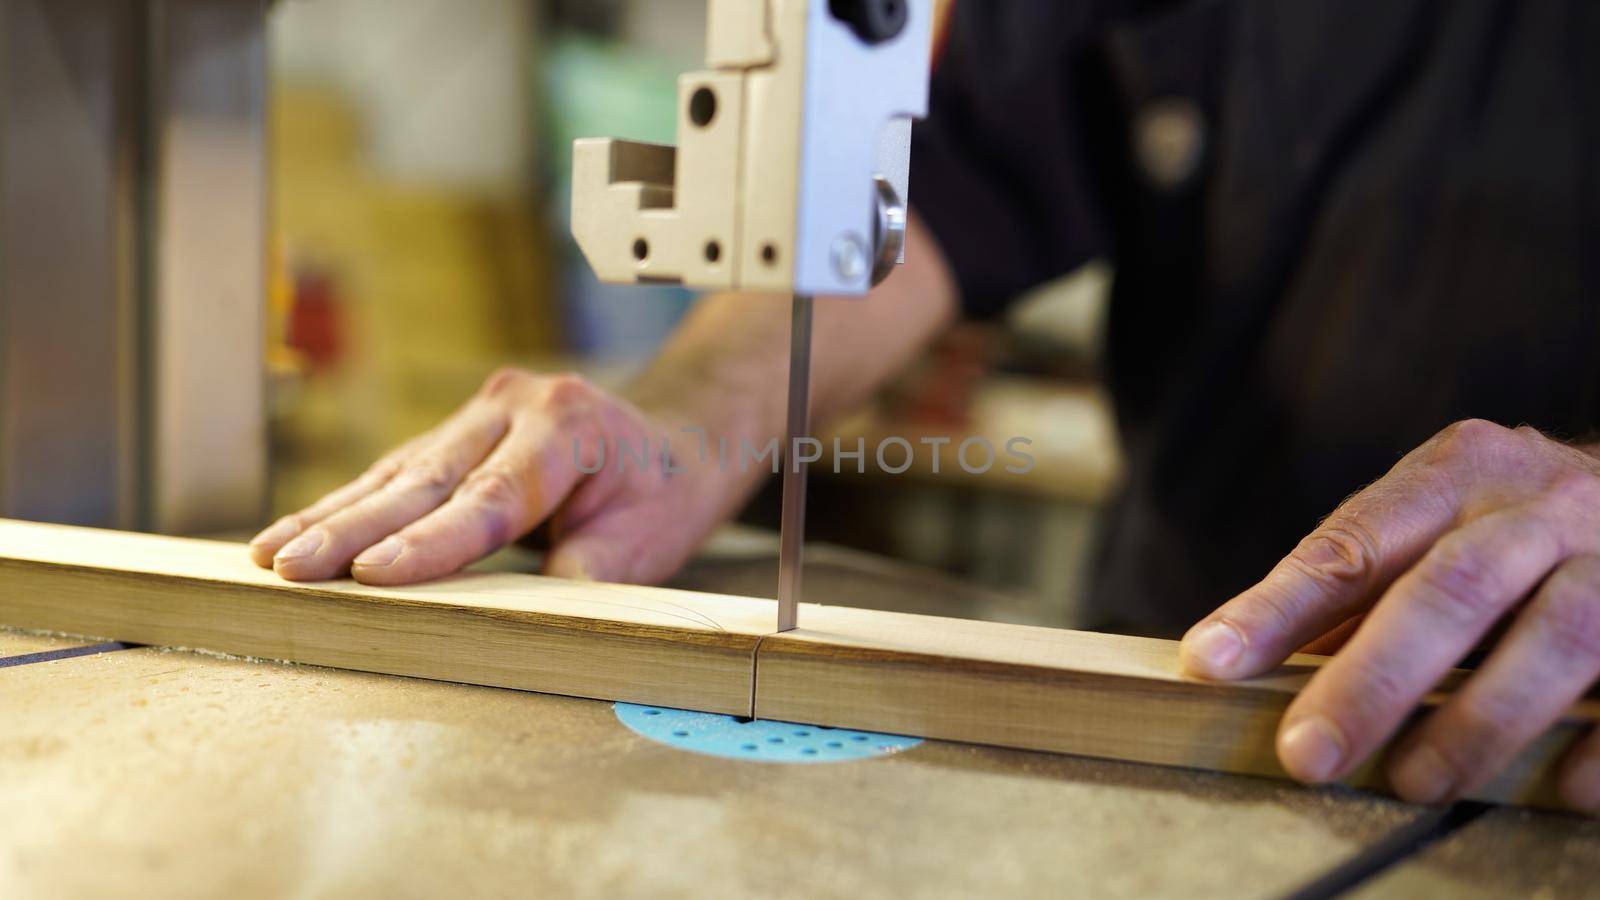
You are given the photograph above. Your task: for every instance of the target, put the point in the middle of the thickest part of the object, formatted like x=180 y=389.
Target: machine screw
x=849 y=257
x=874 y=21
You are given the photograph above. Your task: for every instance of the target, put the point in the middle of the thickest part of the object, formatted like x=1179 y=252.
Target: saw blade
x=791 y=539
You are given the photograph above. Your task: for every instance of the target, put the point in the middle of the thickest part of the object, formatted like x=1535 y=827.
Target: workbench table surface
x=192 y=775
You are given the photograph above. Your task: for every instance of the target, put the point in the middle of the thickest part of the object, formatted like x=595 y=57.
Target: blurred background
x=412 y=160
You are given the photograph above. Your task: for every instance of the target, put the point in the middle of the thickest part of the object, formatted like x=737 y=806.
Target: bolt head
x=849 y=257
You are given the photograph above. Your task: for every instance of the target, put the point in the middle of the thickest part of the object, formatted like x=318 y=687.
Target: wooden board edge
x=708 y=671
x=1222 y=727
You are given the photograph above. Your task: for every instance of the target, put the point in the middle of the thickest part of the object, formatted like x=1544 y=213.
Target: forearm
x=726 y=368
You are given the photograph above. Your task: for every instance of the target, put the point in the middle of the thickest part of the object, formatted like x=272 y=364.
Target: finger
x=1429 y=619
x=1333 y=575
x=1580 y=775
x=423 y=483
x=641 y=543
x=516 y=487
x=613 y=546
x=1329 y=644
x=1545 y=662
x=595 y=553
x=264 y=546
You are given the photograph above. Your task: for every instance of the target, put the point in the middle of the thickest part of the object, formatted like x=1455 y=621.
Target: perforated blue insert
x=759 y=740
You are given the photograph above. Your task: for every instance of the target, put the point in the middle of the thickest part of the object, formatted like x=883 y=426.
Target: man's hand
x=505 y=462
x=513 y=456
x=1480 y=525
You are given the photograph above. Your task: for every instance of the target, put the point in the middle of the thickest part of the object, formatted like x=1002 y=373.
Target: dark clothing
x=1393 y=223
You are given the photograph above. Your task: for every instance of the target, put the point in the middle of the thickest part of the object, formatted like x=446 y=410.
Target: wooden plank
x=982 y=682
x=612 y=642
x=1101 y=695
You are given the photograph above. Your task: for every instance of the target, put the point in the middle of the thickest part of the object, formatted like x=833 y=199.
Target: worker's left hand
x=1480 y=524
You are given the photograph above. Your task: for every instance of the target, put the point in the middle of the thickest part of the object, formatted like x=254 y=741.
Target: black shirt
x=1370 y=218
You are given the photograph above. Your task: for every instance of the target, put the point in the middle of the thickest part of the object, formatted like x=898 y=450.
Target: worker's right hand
x=509 y=459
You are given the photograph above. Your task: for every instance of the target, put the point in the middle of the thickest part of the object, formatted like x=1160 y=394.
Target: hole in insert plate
x=713 y=251
x=769 y=253
x=641 y=249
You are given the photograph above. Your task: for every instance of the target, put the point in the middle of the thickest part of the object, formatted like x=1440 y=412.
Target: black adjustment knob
x=874 y=21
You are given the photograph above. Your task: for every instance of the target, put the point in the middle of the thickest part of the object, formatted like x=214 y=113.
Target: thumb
x=612 y=547
x=632 y=545
x=582 y=556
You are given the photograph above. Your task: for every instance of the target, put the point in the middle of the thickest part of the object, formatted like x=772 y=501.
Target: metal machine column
x=132 y=245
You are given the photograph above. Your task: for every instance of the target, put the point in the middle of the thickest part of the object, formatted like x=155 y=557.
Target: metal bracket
x=775 y=182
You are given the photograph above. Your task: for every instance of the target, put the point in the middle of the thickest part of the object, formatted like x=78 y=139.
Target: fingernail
x=1423 y=776
x=1311 y=749
x=305 y=545
x=381 y=554
x=1212 y=647
x=1580 y=787
x=276 y=533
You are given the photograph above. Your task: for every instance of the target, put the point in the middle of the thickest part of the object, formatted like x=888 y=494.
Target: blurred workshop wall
x=411 y=251
x=440 y=85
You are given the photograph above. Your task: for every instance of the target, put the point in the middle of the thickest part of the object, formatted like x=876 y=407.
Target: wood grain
x=611 y=642
x=1008 y=685
x=1064 y=691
